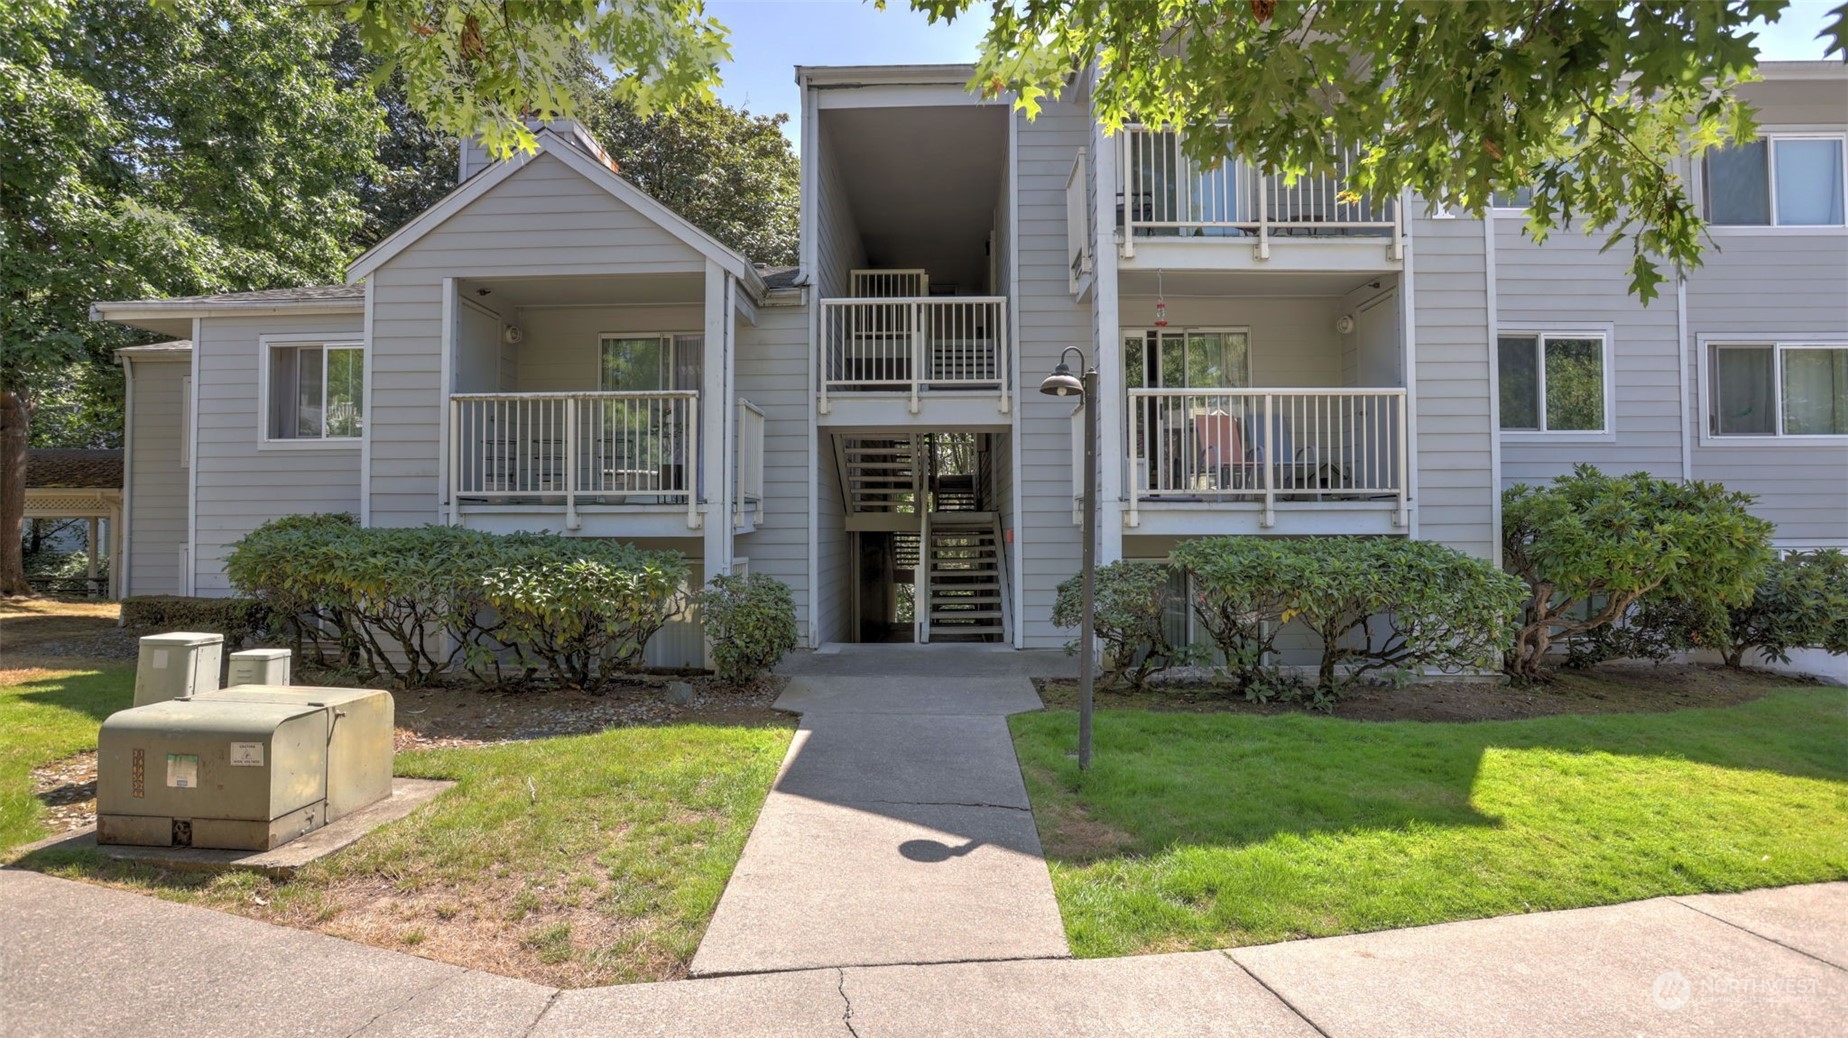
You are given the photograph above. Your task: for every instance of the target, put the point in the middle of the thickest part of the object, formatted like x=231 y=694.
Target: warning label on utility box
x=246 y=754
x=183 y=770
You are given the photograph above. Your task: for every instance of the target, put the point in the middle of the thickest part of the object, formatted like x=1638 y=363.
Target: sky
x=769 y=38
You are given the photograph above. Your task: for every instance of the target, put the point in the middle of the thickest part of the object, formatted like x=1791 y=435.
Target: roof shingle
x=48 y=467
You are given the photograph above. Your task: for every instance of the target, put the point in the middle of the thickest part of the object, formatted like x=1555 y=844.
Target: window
x=1553 y=382
x=1781 y=181
x=635 y=363
x=1772 y=389
x=317 y=392
x=1193 y=358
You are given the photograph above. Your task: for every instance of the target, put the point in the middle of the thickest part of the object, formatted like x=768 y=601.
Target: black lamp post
x=1063 y=383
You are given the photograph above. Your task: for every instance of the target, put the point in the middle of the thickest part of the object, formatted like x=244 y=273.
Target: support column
x=89 y=550
x=715 y=419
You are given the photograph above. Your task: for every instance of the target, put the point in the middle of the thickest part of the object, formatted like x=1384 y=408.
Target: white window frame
x=671 y=341
x=1770 y=136
x=1251 y=358
x=1778 y=345
x=1540 y=333
x=266 y=346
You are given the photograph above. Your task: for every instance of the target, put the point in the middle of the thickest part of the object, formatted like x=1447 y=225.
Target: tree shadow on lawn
x=95 y=693
x=1161 y=781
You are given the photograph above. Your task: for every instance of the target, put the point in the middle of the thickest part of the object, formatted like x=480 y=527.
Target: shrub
x=238 y=619
x=1388 y=604
x=1241 y=585
x=583 y=613
x=750 y=624
x=1589 y=547
x=1801 y=602
x=577 y=608
x=1129 y=604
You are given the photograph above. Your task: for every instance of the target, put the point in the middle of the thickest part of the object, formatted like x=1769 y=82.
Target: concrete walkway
x=899 y=830
x=78 y=961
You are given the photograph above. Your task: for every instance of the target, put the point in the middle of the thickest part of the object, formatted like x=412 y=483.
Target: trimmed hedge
x=238 y=619
x=576 y=610
x=1375 y=605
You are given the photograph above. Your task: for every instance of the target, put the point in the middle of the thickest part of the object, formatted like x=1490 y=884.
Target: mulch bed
x=1611 y=688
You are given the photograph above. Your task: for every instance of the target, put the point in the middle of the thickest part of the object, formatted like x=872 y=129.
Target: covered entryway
x=84 y=485
x=924 y=532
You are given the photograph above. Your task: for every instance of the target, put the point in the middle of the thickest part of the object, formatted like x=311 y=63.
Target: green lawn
x=45 y=715
x=1203 y=831
x=592 y=859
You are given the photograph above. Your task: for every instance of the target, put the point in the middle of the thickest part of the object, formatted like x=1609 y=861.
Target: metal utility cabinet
x=249 y=767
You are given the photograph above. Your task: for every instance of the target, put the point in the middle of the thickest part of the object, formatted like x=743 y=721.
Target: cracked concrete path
x=78 y=961
x=899 y=829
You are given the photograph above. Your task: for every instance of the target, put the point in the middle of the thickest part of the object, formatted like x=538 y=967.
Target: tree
x=733 y=174
x=1587 y=104
x=221 y=155
x=1591 y=546
x=483 y=67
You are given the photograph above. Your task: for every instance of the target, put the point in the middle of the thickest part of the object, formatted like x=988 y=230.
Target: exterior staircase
x=963 y=577
x=879 y=476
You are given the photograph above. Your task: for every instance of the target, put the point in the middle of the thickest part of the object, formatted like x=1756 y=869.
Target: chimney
x=474 y=157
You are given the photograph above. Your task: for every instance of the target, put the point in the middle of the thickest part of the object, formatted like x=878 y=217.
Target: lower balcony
x=1280 y=461
x=601 y=464
x=945 y=358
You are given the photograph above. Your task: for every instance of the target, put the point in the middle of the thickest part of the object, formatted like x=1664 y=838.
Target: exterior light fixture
x=1062 y=383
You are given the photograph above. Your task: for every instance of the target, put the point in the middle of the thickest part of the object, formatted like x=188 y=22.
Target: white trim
x=266 y=442
x=1016 y=424
x=119 y=560
x=446 y=386
x=1686 y=376
x=1542 y=332
x=1106 y=302
x=1408 y=366
x=808 y=275
x=1778 y=344
x=549 y=143
x=132 y=311
x=1493 y=302
x=365 y=443
x=189 y=575
x=186 y=438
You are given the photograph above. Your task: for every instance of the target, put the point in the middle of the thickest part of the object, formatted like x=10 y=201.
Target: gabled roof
x=550 y=143
x=51 y=467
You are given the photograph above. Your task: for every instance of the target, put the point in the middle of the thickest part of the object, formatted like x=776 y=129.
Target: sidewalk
x=899 y=830
x=80 y=960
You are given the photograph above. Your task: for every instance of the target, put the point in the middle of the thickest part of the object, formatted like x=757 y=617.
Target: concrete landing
x=899 y=829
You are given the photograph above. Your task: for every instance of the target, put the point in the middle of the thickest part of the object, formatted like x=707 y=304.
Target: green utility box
x=249 y=767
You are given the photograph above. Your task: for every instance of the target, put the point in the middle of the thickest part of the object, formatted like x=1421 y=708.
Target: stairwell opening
x=924 y=521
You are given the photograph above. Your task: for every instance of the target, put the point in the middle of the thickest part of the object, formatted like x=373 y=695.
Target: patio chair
x=1218 y=447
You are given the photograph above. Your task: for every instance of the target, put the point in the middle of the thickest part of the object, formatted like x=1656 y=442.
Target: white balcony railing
x=914 y=345
x=1256 y=446
x=748 y=495
x=1165 y=195
x=575 y=448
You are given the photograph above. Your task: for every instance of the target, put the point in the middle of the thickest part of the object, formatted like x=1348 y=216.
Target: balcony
x=1241 y=460
x=1181 y=211
x=600 y=463
x=915 y=348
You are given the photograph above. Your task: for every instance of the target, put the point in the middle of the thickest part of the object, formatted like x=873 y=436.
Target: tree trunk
x=15 y=419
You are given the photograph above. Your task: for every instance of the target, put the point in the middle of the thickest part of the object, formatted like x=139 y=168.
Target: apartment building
x=549 y=348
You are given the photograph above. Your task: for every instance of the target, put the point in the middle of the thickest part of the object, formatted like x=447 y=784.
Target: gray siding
x=1049 y=321
x=1454 y=442
x=772 y=372
x=833 y=620
x=544 y=220
x=156 y=478
x=241 y=485
x=1771 y=285
x=1566 y=284
x=838 y=248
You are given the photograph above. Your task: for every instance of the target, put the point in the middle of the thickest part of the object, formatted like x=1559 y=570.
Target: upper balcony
x=945 y=357
x=1172 y=214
